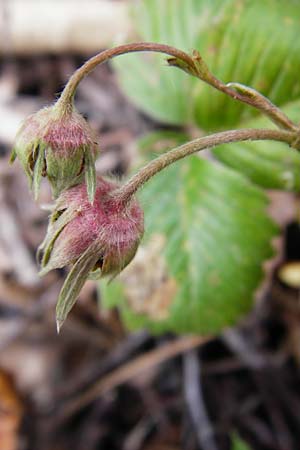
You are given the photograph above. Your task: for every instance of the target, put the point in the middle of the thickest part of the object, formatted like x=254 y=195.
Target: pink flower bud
x=59 y=145
x=102 y=238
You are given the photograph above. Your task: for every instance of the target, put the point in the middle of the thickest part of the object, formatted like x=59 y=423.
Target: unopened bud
x=101 y=238
x=60 y=146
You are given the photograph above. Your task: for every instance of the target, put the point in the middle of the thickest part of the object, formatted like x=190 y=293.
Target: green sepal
x=74 y=282
x=64 y=172
x=90 y=173
x=38 y=170
x=46 y=247
x=27 y=156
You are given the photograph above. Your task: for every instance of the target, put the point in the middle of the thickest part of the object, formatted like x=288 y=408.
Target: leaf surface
x=269 y=164
x=252 y=42
x=216 y=236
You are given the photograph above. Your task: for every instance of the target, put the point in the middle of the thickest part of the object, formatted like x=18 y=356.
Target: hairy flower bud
x=99 y=238
x=57 y=144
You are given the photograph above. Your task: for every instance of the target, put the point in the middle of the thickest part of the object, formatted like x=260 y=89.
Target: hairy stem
x=236 y=91
x=124 y=193
x=193 y=64
x=70 y=88
x=256 y=100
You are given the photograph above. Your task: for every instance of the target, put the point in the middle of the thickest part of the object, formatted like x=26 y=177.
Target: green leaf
x=269 y=164
x=157 y=142
x=238 y=444
x=252 y=42
x=111 y=294
x=215 y=235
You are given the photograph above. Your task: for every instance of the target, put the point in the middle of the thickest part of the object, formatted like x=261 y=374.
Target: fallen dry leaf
x=11 y=411
x=148 y=287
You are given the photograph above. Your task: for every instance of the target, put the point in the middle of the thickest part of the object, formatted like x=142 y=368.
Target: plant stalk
x=257 y=101
x=124 y=194
x=193 y=64
x=70 y=88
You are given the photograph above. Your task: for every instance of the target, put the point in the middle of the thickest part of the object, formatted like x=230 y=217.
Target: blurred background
x=97 y=385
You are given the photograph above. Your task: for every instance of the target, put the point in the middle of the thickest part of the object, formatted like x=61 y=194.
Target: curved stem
x=237 y=91
x=193 y=64
x=125 y=193
x=256 y=100
x=79 y=74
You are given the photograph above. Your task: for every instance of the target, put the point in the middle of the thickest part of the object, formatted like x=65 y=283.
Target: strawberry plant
x=207 y=229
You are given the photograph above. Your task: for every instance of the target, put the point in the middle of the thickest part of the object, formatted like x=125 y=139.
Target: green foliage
x=216 y=235
x=213 y=220
x=255 y=43
x=271 y=165
x=238 y=444
x=252 y=42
